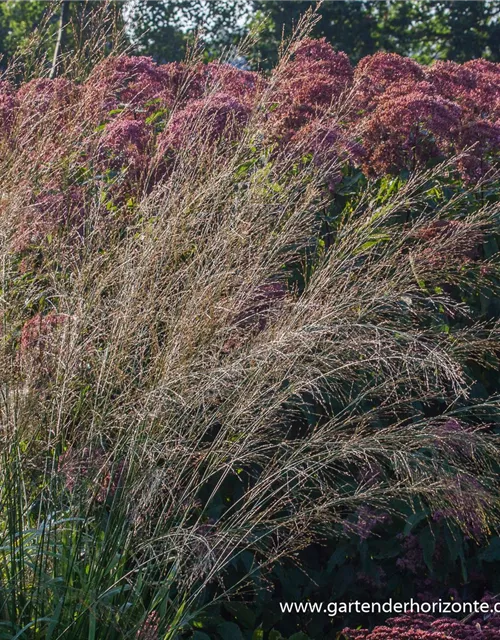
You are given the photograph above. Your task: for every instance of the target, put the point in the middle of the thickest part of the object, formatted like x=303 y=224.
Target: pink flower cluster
x=193 y=105
x=376 y=74
x=307 y=86
x=123 y=128
x=409 y=114
x=48 y=212
x=44 y=106
x=42 y=94
x=41 y=341
x=150 y=628
x=122 y=81
x=448 y=243
x=139 y=84
x=36 y=332
x=240 y=84
x=124 y=143
x=202 y=121
x=401 y=113
x=410 y=125
x=425 y=627
x=330 y=147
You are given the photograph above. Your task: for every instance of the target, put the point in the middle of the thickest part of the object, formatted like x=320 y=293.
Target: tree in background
x=66 y=26
x=61 y=36
x=350 y=26
x=423 y=29
x=162 y=28
x=472 y=30
x=17 y=22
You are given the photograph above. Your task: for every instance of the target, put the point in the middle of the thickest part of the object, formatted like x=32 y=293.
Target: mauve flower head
x=453 y=81
x=124 y=143
x=122 y=81
x=48 y=212
x=43 y=95
x=487 y=90
x=330 y=147
x=226 y=78
x=486 y=67
x=6 y=88
x=385 y=69
x=150 y=628
x=38 y=328
x=215 y=117
x=412 y=558
x=40 y=341
x=417 y=626
x=318 y=58
x=408 y=127
x=307 y=86
x=480 y=141
x=376 y=73
x=475 y=86
x=181 y=83
x=119 y=134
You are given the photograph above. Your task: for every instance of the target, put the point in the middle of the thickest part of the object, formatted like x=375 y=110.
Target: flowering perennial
x=387 y=114
x=425 y=627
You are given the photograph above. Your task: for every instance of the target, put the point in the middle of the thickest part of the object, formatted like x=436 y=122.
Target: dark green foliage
x=426 y=30
x=29 y=32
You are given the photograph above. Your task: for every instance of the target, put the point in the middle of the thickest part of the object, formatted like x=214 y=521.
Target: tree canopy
x=424 y=29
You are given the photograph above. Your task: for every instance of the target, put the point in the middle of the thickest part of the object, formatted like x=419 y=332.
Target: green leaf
x=413 y=520
x=229 y=631
x=375 y=239
x=428 y=543
x=492 y=551
x=55 y=619
x=337 y=559
x=243 y=614
x=108 y=595
x=454 y=543
x=199 y=635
